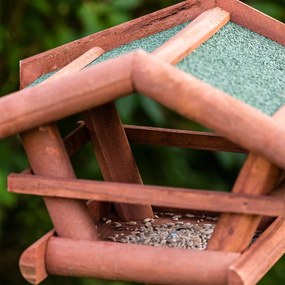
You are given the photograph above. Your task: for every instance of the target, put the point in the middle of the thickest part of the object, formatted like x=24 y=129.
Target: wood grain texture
x=179 y=138
x=77 y=64
x=192 y=36
x=32 y=261
x=144 y=194
x=254 y=20
x=257 y=177
x=211 y=107
x=114 y=155
x=47 y=156
x=260 y=257
x=35 y=66
x=158 y=136
x=71 y=94
x=134 y=262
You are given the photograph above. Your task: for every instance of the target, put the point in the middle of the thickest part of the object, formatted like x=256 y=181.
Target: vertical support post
x=114 y=155
x=258 y=176
x=48 y=156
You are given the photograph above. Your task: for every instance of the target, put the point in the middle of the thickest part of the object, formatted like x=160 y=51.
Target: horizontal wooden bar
x=192 y=36
x=180 y=138
x=254 y=20
x=73 y=93
x=252 y=265
x=159 y=136
x=157 y=265
x=155 y=195
x=37 y=65
x=215 y=109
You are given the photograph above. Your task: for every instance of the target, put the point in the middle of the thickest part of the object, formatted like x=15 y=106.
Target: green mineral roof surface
x=244 y=64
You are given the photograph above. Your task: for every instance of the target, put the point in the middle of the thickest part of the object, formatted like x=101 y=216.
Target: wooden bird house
x=220 y=63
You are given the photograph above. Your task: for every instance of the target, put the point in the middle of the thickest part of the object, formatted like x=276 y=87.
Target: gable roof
x=147 y=74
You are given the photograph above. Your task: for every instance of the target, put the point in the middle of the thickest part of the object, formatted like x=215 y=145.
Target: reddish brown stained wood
x=47 y=156
x=73 y=93
x=192 y=36
x=251 y=266
x=143 y=194
x=234 y=232
x=179 y=138
x=254 y=20
x=136 y=263
x=279 y=192
x=35 y=66
x=77 y=64
x=215 y=109
x=114 y=155
x=32 y=261
x=158 y=136
x=257 y=177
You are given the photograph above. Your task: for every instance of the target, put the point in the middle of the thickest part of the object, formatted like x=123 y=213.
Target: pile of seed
x=177 y=233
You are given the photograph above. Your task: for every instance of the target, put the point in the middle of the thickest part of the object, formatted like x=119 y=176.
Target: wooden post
x=47 y=156
x=114 y=156
x=257 y=177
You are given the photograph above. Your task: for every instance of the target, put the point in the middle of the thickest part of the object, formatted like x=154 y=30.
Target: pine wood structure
x=74 y=247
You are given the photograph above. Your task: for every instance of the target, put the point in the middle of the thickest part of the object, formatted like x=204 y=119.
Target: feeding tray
x=220 y=63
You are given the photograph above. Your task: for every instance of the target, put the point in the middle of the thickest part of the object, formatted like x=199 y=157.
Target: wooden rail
x=154 y=195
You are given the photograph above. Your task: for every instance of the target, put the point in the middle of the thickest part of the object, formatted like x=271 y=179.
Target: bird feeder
x=219 y=63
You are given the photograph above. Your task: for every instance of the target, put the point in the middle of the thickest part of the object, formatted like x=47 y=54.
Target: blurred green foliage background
x=28 y=27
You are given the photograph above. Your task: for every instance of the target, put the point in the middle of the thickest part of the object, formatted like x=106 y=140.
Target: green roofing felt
x=148 y=44
x=243 y=63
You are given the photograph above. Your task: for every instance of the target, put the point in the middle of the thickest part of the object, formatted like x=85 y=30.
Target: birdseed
x=179 y=235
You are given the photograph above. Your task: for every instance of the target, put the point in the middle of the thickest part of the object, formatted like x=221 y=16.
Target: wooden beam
x=254 y=20
x=180 y=138
x=35 y=66
x=71 y=94
x=158 y=136
x=252 y=265
x=196 y=33
x=144 y=194
x=257 y=177
x=47 y=156
x=215 y=109
x=33 y=260
x=115 y=261
x=77 y=64
x=114 y=156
